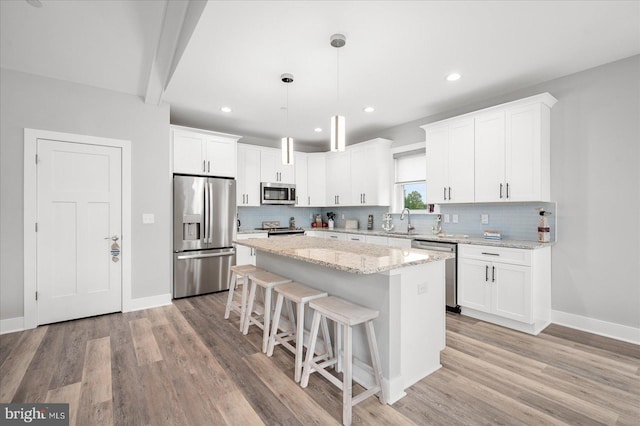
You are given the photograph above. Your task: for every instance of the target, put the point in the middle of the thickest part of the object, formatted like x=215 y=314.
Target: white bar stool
x=346 y=315
x=300 y=294
x=239 y=277
x=266 y=280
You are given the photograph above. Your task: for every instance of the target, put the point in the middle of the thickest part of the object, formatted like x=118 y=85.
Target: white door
x=79 y=216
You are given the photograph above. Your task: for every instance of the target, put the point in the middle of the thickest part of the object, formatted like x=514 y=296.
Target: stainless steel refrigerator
x=203 y=227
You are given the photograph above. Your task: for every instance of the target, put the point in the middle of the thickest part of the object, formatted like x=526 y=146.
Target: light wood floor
x=185 y=365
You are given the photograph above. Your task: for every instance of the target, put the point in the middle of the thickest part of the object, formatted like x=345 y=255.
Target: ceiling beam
x=180 y=20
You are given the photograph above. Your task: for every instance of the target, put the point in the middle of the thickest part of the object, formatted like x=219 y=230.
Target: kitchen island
x=405 y=285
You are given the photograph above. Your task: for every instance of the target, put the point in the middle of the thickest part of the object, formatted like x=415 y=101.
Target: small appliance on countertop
x=274 y=229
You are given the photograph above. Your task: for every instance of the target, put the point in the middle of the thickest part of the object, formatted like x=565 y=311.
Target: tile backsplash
x=516 y=221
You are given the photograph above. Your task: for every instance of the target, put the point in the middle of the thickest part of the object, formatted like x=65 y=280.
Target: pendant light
x=337 y=121
x=287 y=142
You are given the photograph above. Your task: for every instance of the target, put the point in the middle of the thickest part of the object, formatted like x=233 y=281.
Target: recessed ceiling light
x=453 y=76
x=35 y=3
x=317 y=129
x=225 y=109
x=369 y=109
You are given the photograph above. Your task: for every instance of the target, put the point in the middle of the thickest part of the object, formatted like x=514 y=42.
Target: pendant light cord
x=338 y=81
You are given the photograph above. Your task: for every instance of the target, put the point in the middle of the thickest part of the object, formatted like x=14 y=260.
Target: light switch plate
x=446 y=218
x=455 y=218
x=484 y=219
x=148 y=218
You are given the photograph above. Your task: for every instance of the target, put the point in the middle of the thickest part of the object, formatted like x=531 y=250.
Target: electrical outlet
x=446 y=218
x=148 y=218
x=484 y=219
x=455 y=218
x=422 y=288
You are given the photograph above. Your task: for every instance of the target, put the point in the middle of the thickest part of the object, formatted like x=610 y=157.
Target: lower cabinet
x=335 y=235
x=509 y=287
x=247 y=255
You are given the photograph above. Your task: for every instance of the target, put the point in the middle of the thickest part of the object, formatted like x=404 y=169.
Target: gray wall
x=48 y=104
x=595 y=158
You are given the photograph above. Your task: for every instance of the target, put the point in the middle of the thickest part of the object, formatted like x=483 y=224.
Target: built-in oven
x=451 y=269
x=277 y=193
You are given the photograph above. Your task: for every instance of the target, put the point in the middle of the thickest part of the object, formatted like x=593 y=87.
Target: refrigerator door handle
x=200 y=256
x=210 y=212
x=206 y=213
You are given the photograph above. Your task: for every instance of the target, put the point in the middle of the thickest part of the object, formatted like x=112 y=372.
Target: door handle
x=309 y=199
x=206 y=213
x=208 y=166
x=507 y=190
x=444 y=193
x=500 y=191
x=493 y=274
x=364 y=198
x=486 y=273
x=204 y=165
x=114 y=238
x=449 y=193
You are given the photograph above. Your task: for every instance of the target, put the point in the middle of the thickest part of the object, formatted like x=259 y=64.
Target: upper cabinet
x=316 y=179
x=370 y=186
x=201 y=152
x=338 y=178
x=449 y=153
x=497 y=154
x=272 y=169
x=248 y=184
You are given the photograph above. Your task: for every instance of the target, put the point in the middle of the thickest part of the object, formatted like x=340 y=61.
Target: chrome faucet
x=410 y=227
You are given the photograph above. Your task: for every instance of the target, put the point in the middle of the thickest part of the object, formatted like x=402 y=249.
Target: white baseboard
x=10 y=325
x=595 y=326
x=147 y=302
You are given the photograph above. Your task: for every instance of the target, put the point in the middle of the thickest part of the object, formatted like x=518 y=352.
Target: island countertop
x=348 y=256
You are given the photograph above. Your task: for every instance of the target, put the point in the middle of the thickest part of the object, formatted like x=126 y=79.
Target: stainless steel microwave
x=277 y=193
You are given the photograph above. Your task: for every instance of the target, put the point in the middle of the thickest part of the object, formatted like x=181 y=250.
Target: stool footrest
x=364 y=395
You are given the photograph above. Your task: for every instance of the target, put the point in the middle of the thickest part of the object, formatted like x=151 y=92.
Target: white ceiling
x=396 y=57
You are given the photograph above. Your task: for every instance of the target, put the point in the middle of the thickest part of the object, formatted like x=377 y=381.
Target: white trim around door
x=31 y=137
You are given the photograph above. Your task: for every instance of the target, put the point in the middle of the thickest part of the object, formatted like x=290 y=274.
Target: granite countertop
x=348 y=256
x=447 y=238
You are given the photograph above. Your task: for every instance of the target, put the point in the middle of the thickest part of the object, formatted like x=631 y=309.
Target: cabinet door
x=287 y=172
x=361 y=177
x=489 y=157
x=336 y=236
x=461 y=161
x=269 y=165
x=437 y=164
x=403 y=243
x=248 y=185
x=245 y=255
x=188 y=153
x=511 y=295
x=375 y=239
x=474 y=284
x=338 y=179
x=220 y=157
x=300 y=164
x=370 y=185
x=316 y=179
x=523 y=153
x=356 y=237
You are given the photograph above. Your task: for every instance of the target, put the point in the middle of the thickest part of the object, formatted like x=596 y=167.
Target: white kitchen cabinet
x=335 y=235
x=506 y=286
x=316 y=179
x=316 y=234
x=403 y=243
x=338 y=178
x=356 y=237
x=450 y=161
x=375 y=239
x=512 y=151
x=248 y=182
x=301 y=179
x=272 y=169
x=371 y=166
x=202 y=152
x=247 y=255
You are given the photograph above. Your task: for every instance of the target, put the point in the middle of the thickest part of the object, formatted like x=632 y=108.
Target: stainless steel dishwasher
x=451 y=269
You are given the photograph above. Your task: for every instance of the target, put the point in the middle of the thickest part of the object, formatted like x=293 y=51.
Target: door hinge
x=36 y=226
x=36 y=295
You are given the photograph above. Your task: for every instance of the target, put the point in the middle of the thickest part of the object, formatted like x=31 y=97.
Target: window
x=410 y=184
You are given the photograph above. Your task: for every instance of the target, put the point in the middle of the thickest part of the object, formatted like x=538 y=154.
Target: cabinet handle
x=296 y=199
x=486 y=273
x=444 y=196
x=493 y=274
x=491 y=254
x=208 y=166
x=449 y=193
x=247 y=199
x=364 y=198
x=309 y=199
x=507 y=190
x=501 y=191
x=338 y=199
x=204 y=165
